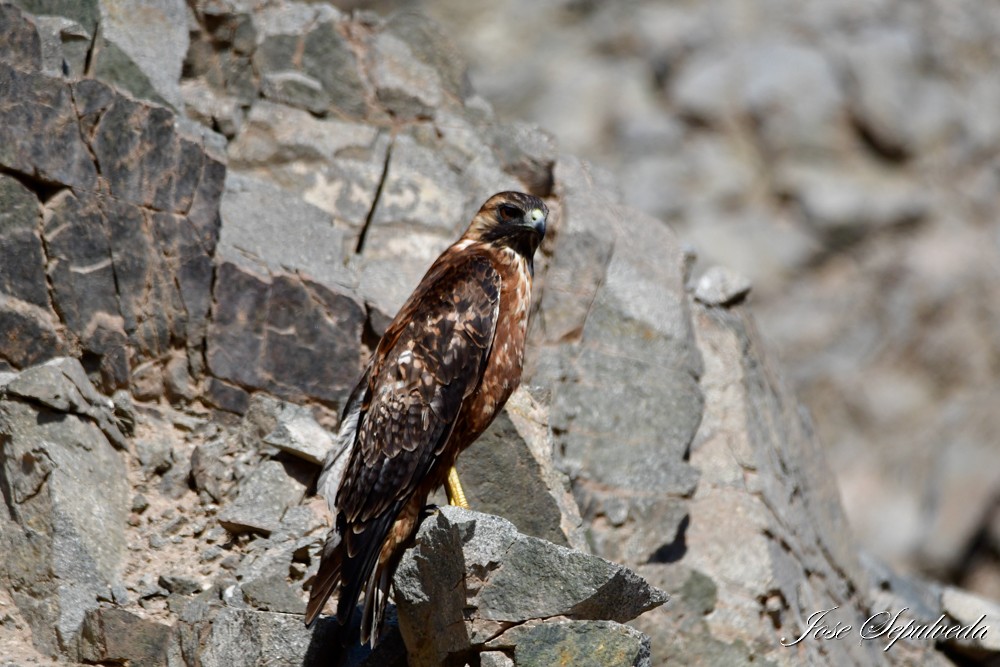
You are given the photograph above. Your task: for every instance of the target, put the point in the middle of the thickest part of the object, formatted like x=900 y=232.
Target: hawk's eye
x=510 y=213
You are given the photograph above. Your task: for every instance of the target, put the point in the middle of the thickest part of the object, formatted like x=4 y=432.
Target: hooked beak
x=538 y=216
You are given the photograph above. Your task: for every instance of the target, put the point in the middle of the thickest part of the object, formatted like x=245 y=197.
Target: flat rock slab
x=263 y=498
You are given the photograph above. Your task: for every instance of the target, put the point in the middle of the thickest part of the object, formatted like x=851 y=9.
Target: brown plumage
x=443 y=370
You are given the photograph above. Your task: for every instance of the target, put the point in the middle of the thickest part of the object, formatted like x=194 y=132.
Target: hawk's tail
x=350 y=573
x=327 y=579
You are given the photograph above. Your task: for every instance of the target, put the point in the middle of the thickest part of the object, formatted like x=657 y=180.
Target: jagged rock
x=209 y=472
x=142 y=51
x=408 y=88
x=63 y=523
x=21 y=41
x=115 y=636
x=142 y=233
x=281 y=231
x=65 y=44
x=62 y=384
x=473 y=575
x=263 y=498
x=509 y=472
x=300 y=435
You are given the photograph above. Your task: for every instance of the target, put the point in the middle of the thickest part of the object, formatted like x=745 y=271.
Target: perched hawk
x=443 y=370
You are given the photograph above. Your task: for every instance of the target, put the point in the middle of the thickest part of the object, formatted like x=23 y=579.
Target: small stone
x=155 y=455
x=177 y=380
x=139 y=503
x=226 y=396
x=147 y=381
x=230 y=562
x=721 y=286
x=179 y=584
x=212 y=553
x=156 y=542
x=300 y=435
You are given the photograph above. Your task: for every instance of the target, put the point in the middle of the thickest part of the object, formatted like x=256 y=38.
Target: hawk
x=441 y=372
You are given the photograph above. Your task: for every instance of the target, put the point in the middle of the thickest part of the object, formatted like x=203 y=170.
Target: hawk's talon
x=456 y=494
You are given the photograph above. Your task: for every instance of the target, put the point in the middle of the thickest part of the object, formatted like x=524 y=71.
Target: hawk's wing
x=429 y=361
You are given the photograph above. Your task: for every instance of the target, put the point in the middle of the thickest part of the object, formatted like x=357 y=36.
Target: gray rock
x=63 y=532
x=227 y=637
x=583 y=643
x=22 y=258
x=226 y=396
x=281 y=231
x=86 y=13
x=22 y=44
x=177 y=380
x=421 y=190
x=328 y=58
x=432 y=45
x=883 y=78
x=634 y=356
x=721 y=286
x=408 y=88
x=209 y=472
x=447 y=605
x=283 y=308
x=113 y=635
x=846 y=205
x=495 y=659
x=300 y=435
x=263 y=498
x=334 y=165
x=295 y=89
x=142 y=51
x=28 y=334
x=39 y=133
x=155 y=454
x=284 y=333
x=62 y=384
x=527 y=152
x=273 y=594
x=179 y=584
x=65 y=44
x=509 y=472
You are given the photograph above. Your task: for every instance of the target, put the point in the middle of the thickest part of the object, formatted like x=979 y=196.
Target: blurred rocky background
x=210 y=210
x=845 y=157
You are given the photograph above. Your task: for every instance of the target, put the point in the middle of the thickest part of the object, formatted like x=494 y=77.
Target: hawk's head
x=511 y=219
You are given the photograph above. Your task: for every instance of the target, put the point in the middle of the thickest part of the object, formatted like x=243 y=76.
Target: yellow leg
x=456 y=495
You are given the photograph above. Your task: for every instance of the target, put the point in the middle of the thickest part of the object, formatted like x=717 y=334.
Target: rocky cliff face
x=204 y=232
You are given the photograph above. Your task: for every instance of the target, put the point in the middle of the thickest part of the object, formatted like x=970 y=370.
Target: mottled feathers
x=435 y=381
